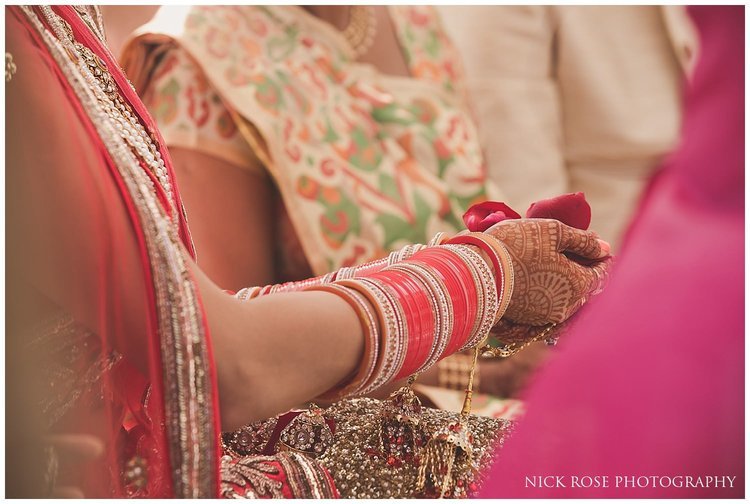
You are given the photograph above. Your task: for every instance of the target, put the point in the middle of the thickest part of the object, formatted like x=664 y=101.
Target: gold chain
x=513 y=348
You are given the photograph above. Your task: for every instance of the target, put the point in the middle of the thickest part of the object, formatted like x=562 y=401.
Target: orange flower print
x=267 y=93
x=331 y=195
x=425 y=111
x=442 y=151
x=304 y=134
x=418 y=16
x=218 y=42
x=294 y=153
x=307 y=187
x=335 y=225
x=257 y=26
x=251 y=51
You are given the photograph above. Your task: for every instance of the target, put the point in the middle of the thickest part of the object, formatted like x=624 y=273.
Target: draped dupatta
x=98 y=262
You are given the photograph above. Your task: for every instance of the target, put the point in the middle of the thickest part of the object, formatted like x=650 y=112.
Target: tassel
x=446 y=462
x=448 y=459
x=399 y=437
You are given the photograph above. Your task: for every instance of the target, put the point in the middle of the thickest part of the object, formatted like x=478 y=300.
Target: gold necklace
x=360 y=32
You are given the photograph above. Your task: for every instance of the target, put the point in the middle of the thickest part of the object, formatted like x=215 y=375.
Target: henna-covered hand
x=549 y=285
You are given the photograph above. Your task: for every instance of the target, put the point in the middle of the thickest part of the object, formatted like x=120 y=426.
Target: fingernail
x=605 y=247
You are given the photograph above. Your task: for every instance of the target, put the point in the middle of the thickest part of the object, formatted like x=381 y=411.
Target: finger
x=77 y=446
x=593 y=280
x=582 y=243
x=507 y=331
x=587 y=279
x=601 y=271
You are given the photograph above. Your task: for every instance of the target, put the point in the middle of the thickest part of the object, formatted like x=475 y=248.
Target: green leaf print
x=279 y=48
x=423 y=213
x=330 y=136
x=367 y=154
x=395 y=228
x=432 y=44
x=393 y=114
x=388 y=187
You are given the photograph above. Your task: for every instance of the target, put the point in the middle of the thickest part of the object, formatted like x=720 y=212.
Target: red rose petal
x=481 y=216
x=571 y=209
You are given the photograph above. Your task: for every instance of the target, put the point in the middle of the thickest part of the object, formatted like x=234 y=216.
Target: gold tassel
x=399 y=438
x=449 y=454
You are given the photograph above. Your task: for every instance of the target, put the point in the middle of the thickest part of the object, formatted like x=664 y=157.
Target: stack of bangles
x=417 y=306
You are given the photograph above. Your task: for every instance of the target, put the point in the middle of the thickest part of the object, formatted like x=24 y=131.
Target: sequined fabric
x=370 y=455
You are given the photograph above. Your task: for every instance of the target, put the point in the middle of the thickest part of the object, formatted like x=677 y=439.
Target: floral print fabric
x=365 y=162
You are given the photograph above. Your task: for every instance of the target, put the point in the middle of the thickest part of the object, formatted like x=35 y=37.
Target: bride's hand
x=550 y=285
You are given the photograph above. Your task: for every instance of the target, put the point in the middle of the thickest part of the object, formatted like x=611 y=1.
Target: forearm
x=304 y=344
x=359 y=271
x=277 y=352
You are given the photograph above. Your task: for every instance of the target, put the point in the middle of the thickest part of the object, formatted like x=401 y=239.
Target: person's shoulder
x=29 y=66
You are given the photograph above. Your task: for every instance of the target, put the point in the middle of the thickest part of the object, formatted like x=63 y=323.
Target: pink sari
x=649 y=383
x=102 y=294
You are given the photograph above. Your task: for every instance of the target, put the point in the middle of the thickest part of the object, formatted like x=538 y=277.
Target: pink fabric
x=650 y=381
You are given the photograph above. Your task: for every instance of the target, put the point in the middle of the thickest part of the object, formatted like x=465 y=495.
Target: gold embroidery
x=251 y=439
x=135 y=475
x=123 y=116
x=190 y=423
x=92 y=16
x=251 y=474
x=308 y=433
x=360 y=472
x=368 y=460
x=10 y=67
x=65 y=347
x=306 y=478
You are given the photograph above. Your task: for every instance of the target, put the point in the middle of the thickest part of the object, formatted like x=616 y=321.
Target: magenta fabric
x=650 y=380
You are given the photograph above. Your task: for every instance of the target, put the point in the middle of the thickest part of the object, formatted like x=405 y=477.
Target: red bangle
x=386 y=340
x=438 y=262
x=468 y=284
x=454 y=275
x=426 y=323
x=407 y=295
x=410 y=333
x=471 y=239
